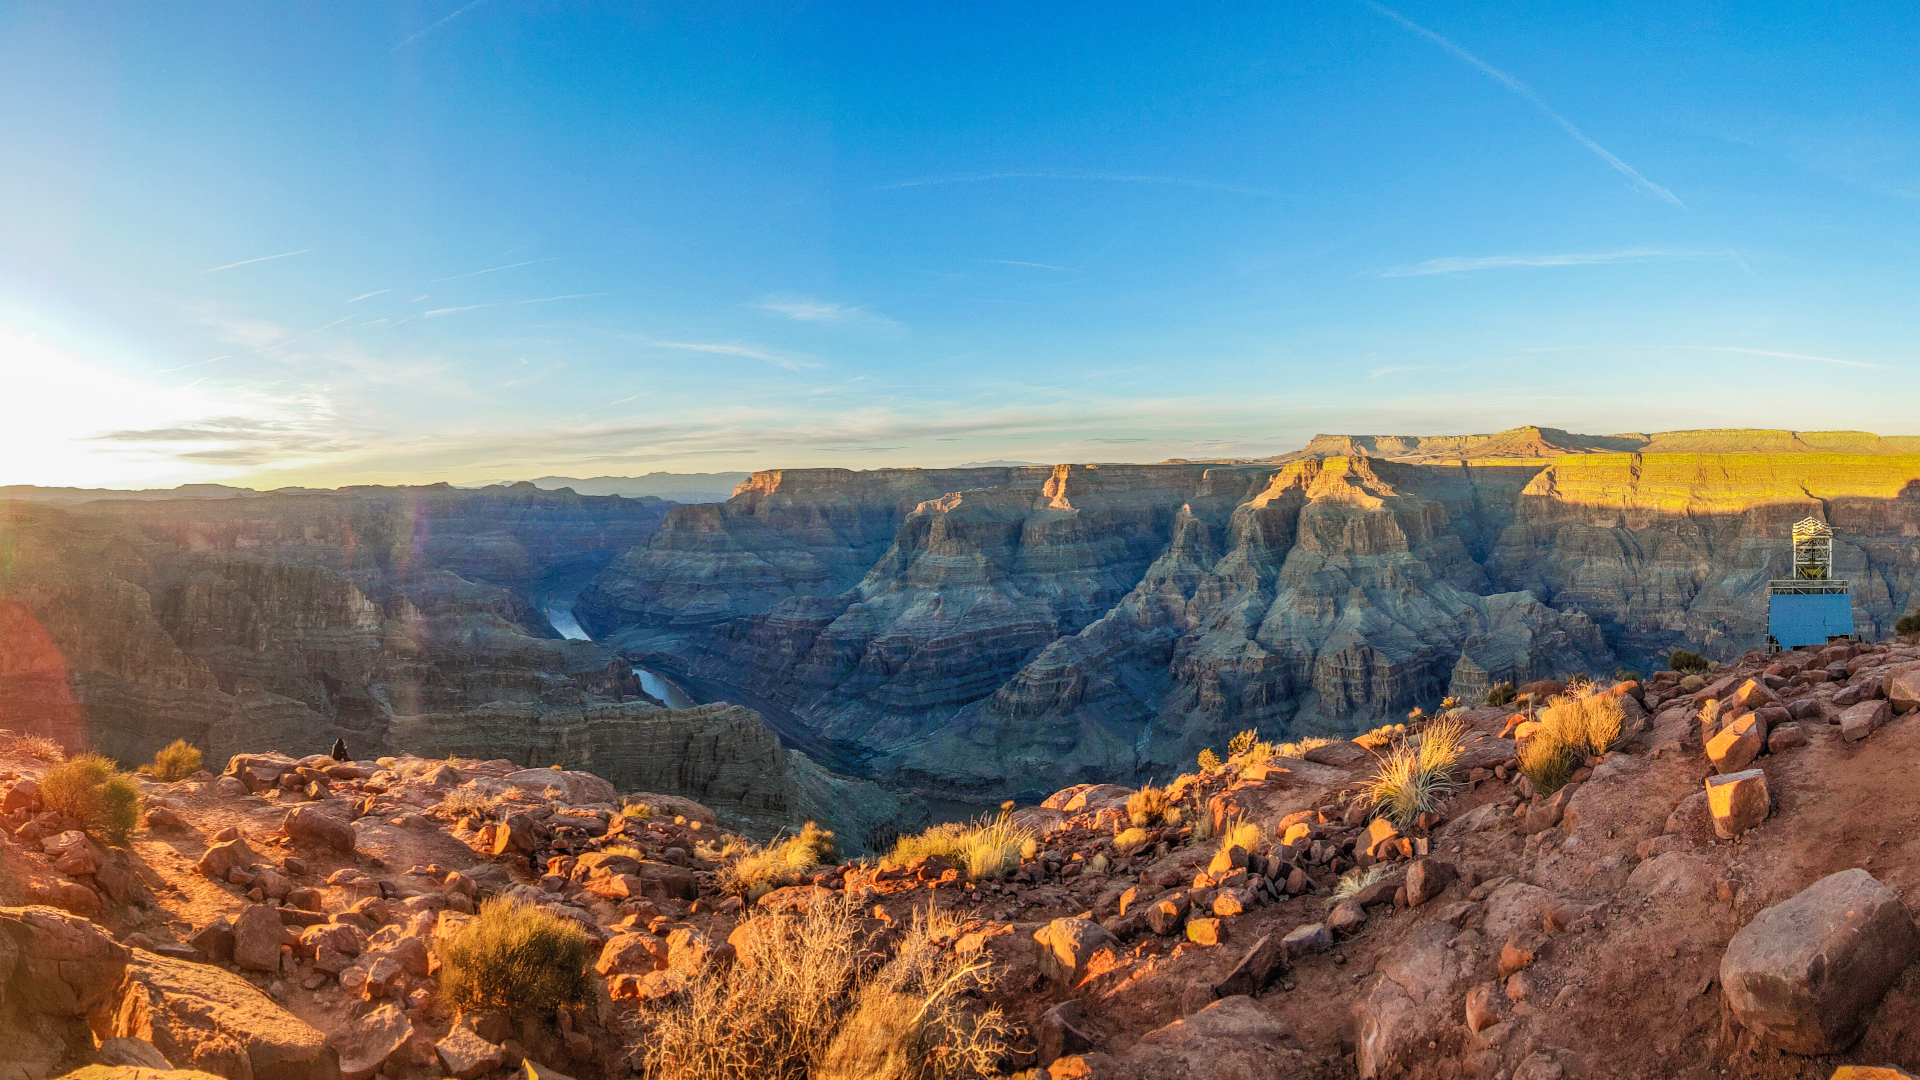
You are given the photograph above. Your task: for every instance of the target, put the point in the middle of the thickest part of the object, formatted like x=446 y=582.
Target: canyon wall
x=989 y=632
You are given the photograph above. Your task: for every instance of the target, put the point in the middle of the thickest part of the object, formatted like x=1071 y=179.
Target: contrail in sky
x=263 y=258
x=436 y=26
x=1526 y=92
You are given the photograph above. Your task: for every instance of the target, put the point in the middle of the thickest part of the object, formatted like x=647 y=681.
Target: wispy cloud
x=1533 y=99
x=494 y=269
x=364 y=295
x=261 y=259
x=1035 y=265
x=750 y=353
x=1381 y=373
x=809 y=310
x=198 y=363
x=1464 y=265
x=301 y=337
x=1785 y=355
x=436 y=26
x=1113 y=178
x=437 y=312
x=569 y=296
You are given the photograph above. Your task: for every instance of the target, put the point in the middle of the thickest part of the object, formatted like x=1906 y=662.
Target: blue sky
x=359 y=243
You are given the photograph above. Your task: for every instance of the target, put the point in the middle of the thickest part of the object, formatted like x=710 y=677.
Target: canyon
x=990 y=632
x=874 y=643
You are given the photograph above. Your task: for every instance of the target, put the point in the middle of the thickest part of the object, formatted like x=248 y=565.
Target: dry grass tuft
x=93 y=792
x=1360 y=878
x=813 y=1006
x=43 y=748
x=987 y=848
x=1240 y=833
x=1130 y=841
x=757 y=869
x=1411 y=781
x=1148 y=806
x=1572 y=728
x=462 y=801
x=175 y=761
x=517 y=957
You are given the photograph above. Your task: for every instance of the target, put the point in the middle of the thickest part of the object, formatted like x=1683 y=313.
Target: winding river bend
x=558 y=608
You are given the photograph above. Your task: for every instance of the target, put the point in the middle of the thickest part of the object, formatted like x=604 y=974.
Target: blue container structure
x=1811 y=607
x=1796 y=619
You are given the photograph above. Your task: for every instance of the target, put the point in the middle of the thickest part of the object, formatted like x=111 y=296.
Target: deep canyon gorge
x=866 y=638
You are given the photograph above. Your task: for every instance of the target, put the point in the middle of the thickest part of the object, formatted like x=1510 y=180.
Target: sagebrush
x=1689 y=663
x=517 y=957
x=91 y=791
x=177 y=760
x=1501 y=694
x=1148 y=806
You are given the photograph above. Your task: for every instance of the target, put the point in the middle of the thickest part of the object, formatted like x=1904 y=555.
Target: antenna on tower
x=1812 y=607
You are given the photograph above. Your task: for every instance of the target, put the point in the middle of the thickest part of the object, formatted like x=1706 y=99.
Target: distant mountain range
x=677 y=487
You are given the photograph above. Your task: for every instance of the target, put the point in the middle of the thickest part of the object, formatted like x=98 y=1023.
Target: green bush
x=1242 y=743
x=517 y=957
x=91 y=790
x=176 y=761
x=1689 y=662
x=1502 y=694
x=1908 y=624
x=1209 y=761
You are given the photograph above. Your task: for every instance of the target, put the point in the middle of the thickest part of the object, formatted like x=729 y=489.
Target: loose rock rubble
x=1724 y=893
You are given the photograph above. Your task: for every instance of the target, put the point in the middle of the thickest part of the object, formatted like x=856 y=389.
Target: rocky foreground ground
x=1729 y=893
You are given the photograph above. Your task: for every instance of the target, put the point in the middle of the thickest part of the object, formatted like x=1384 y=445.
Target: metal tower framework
x=1812 y=550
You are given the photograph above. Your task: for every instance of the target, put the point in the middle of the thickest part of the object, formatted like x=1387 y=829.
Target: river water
x=559 y=612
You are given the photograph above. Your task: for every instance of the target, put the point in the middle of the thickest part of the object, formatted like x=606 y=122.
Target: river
x=559 y=612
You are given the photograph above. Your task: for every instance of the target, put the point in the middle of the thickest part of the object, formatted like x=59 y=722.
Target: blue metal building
x=1812 y=607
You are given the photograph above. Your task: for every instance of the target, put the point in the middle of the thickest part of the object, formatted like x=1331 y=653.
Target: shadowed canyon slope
x=394 y=618
x=1000 y=630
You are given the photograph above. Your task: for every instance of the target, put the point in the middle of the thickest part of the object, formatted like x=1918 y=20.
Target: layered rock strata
x=993 y=631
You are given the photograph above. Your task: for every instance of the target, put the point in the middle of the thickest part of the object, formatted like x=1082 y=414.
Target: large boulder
x=366 y=1044
x=575 y=788
x=60 y=964
x=1806 y=973
x=257 y=936
x=202 y=1017
x=1067 y=945
x=1234 y=1038
x=1409 y=1003
x=320 y=825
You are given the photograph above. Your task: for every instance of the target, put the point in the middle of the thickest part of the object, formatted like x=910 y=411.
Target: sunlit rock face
x=288 y=621
x=999 y=631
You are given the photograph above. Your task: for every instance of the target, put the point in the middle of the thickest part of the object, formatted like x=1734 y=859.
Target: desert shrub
x=462 y=801
x=635 y=810
x=518 y=957
x=1621 y=675
x=1547 y=761
x=1172 y=817
x=1500 y=694
x=1572 y=728
x=1416 y=714
x=175 y=761
x=986 y=848
x=1209 y=761
x=1690 y=663
x=810 y=1009
x=1148 y=806
x=103 y=801
x=1358 y=878
x=1299 y=747
x=1411 y=781
x=42 y=747
x=1130 y=841
x=760 y=868
x=1448 y=704
x=1240 y=833
x=1908 y=624
x=1381 y=737
x=1242 y=743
